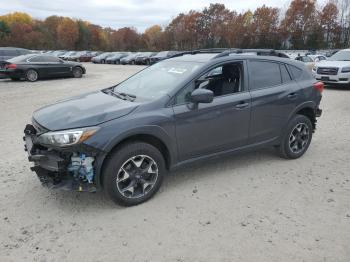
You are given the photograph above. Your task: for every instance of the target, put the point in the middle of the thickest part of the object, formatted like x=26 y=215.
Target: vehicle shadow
x=99 y=201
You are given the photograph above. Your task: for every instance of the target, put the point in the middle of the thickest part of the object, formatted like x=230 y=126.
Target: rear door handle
x=292 y=95
x=242 y=105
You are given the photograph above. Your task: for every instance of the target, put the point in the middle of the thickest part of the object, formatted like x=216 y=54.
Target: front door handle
x=242 y=105
x=292 y=95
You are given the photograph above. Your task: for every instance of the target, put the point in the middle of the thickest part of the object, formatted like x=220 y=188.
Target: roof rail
x=202 y=51
x=221 y=52
x=259 y=52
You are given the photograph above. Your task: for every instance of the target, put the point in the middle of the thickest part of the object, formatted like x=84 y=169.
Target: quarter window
x=264 y=74
x=284 y=74
x=296 y=72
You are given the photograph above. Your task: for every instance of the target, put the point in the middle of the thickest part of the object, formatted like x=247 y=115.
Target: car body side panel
x=270 y=110
x=158 y=123
x=213 y=127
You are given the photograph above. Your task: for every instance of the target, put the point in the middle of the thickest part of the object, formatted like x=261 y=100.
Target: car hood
x=85 y=110
x=334 y=63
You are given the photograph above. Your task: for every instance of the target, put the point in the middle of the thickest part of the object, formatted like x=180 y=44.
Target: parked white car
x=334 y=70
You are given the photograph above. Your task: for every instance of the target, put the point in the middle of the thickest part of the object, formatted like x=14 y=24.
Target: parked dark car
x=76 y=56
x=129 y=59
x=193 y=107
x=101 y=59
x=144 y=58
x=37 y=66
x=8 y=53
x=162 y=56
x=115 y=59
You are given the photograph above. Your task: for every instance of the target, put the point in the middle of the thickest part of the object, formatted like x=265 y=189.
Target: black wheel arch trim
x=151 y=131
x=306 y=105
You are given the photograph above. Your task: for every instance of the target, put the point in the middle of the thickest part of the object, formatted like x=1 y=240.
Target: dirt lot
x=252 y=207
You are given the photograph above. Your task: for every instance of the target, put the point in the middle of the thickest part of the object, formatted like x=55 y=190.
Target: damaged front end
x=60 y=159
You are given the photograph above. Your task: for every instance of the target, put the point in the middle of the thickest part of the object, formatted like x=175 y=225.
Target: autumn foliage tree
x=306 y=24
x=67 y=33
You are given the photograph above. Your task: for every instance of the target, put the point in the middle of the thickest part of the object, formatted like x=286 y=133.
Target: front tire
x=296 y=138
x=77 y=72
x=32 y=75
x=134 y=173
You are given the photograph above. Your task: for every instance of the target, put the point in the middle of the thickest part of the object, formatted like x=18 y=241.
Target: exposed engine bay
x=68 y=169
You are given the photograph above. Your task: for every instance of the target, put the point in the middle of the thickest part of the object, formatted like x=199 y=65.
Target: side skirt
x=270 y=142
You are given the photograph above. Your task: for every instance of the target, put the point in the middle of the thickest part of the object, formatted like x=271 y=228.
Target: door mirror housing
x=202 y=96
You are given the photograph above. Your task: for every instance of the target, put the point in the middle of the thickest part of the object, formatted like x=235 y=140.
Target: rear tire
x=77 y=72
x=296 y=138
x=32 y=75
x=134 y=173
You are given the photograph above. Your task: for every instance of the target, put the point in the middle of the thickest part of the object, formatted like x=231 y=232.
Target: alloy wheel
x=137 y=176
x=299 y=138
x=77 y=72
x=32 y=75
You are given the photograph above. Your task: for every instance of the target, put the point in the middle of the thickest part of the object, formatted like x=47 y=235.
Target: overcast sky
x=119 y=13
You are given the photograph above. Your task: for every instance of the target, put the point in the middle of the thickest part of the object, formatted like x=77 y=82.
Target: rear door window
x=35 y=59
x=50 y=59
x=264 y=74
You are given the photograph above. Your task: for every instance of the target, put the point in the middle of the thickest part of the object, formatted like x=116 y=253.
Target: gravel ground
x=251 y=207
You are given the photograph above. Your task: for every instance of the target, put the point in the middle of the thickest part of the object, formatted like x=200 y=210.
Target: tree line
x=304 y=25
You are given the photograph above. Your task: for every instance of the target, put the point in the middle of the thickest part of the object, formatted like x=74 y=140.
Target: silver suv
x=334 y=70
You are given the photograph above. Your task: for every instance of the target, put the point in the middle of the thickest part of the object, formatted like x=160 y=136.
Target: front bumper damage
x=71 y=168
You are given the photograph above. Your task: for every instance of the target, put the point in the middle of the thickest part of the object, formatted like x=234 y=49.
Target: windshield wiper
x=123 y=96
x=126 y=95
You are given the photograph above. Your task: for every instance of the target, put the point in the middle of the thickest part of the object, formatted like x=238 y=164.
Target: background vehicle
x=8 y=53
x=37 y=66
x=195 y=106
x=65 y=55
x=88 y=56
x=101 y=59
x=308 y=61
x=76 y=56
x=115 y=59
x=162 y=56
x=57 y=53
x=334 y=70
x=129 y=59
x=317 y=58
x=144 y=59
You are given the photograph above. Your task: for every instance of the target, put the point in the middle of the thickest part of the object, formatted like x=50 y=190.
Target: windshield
x=168 y=75
x=341 y=56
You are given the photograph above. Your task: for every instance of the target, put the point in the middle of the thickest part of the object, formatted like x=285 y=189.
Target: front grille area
x=327 y=71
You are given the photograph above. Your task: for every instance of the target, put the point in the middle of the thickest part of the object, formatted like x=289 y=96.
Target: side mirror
x=202 y=96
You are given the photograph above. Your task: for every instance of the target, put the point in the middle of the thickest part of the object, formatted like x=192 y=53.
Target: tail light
x=10 y=66
x=319 y=86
